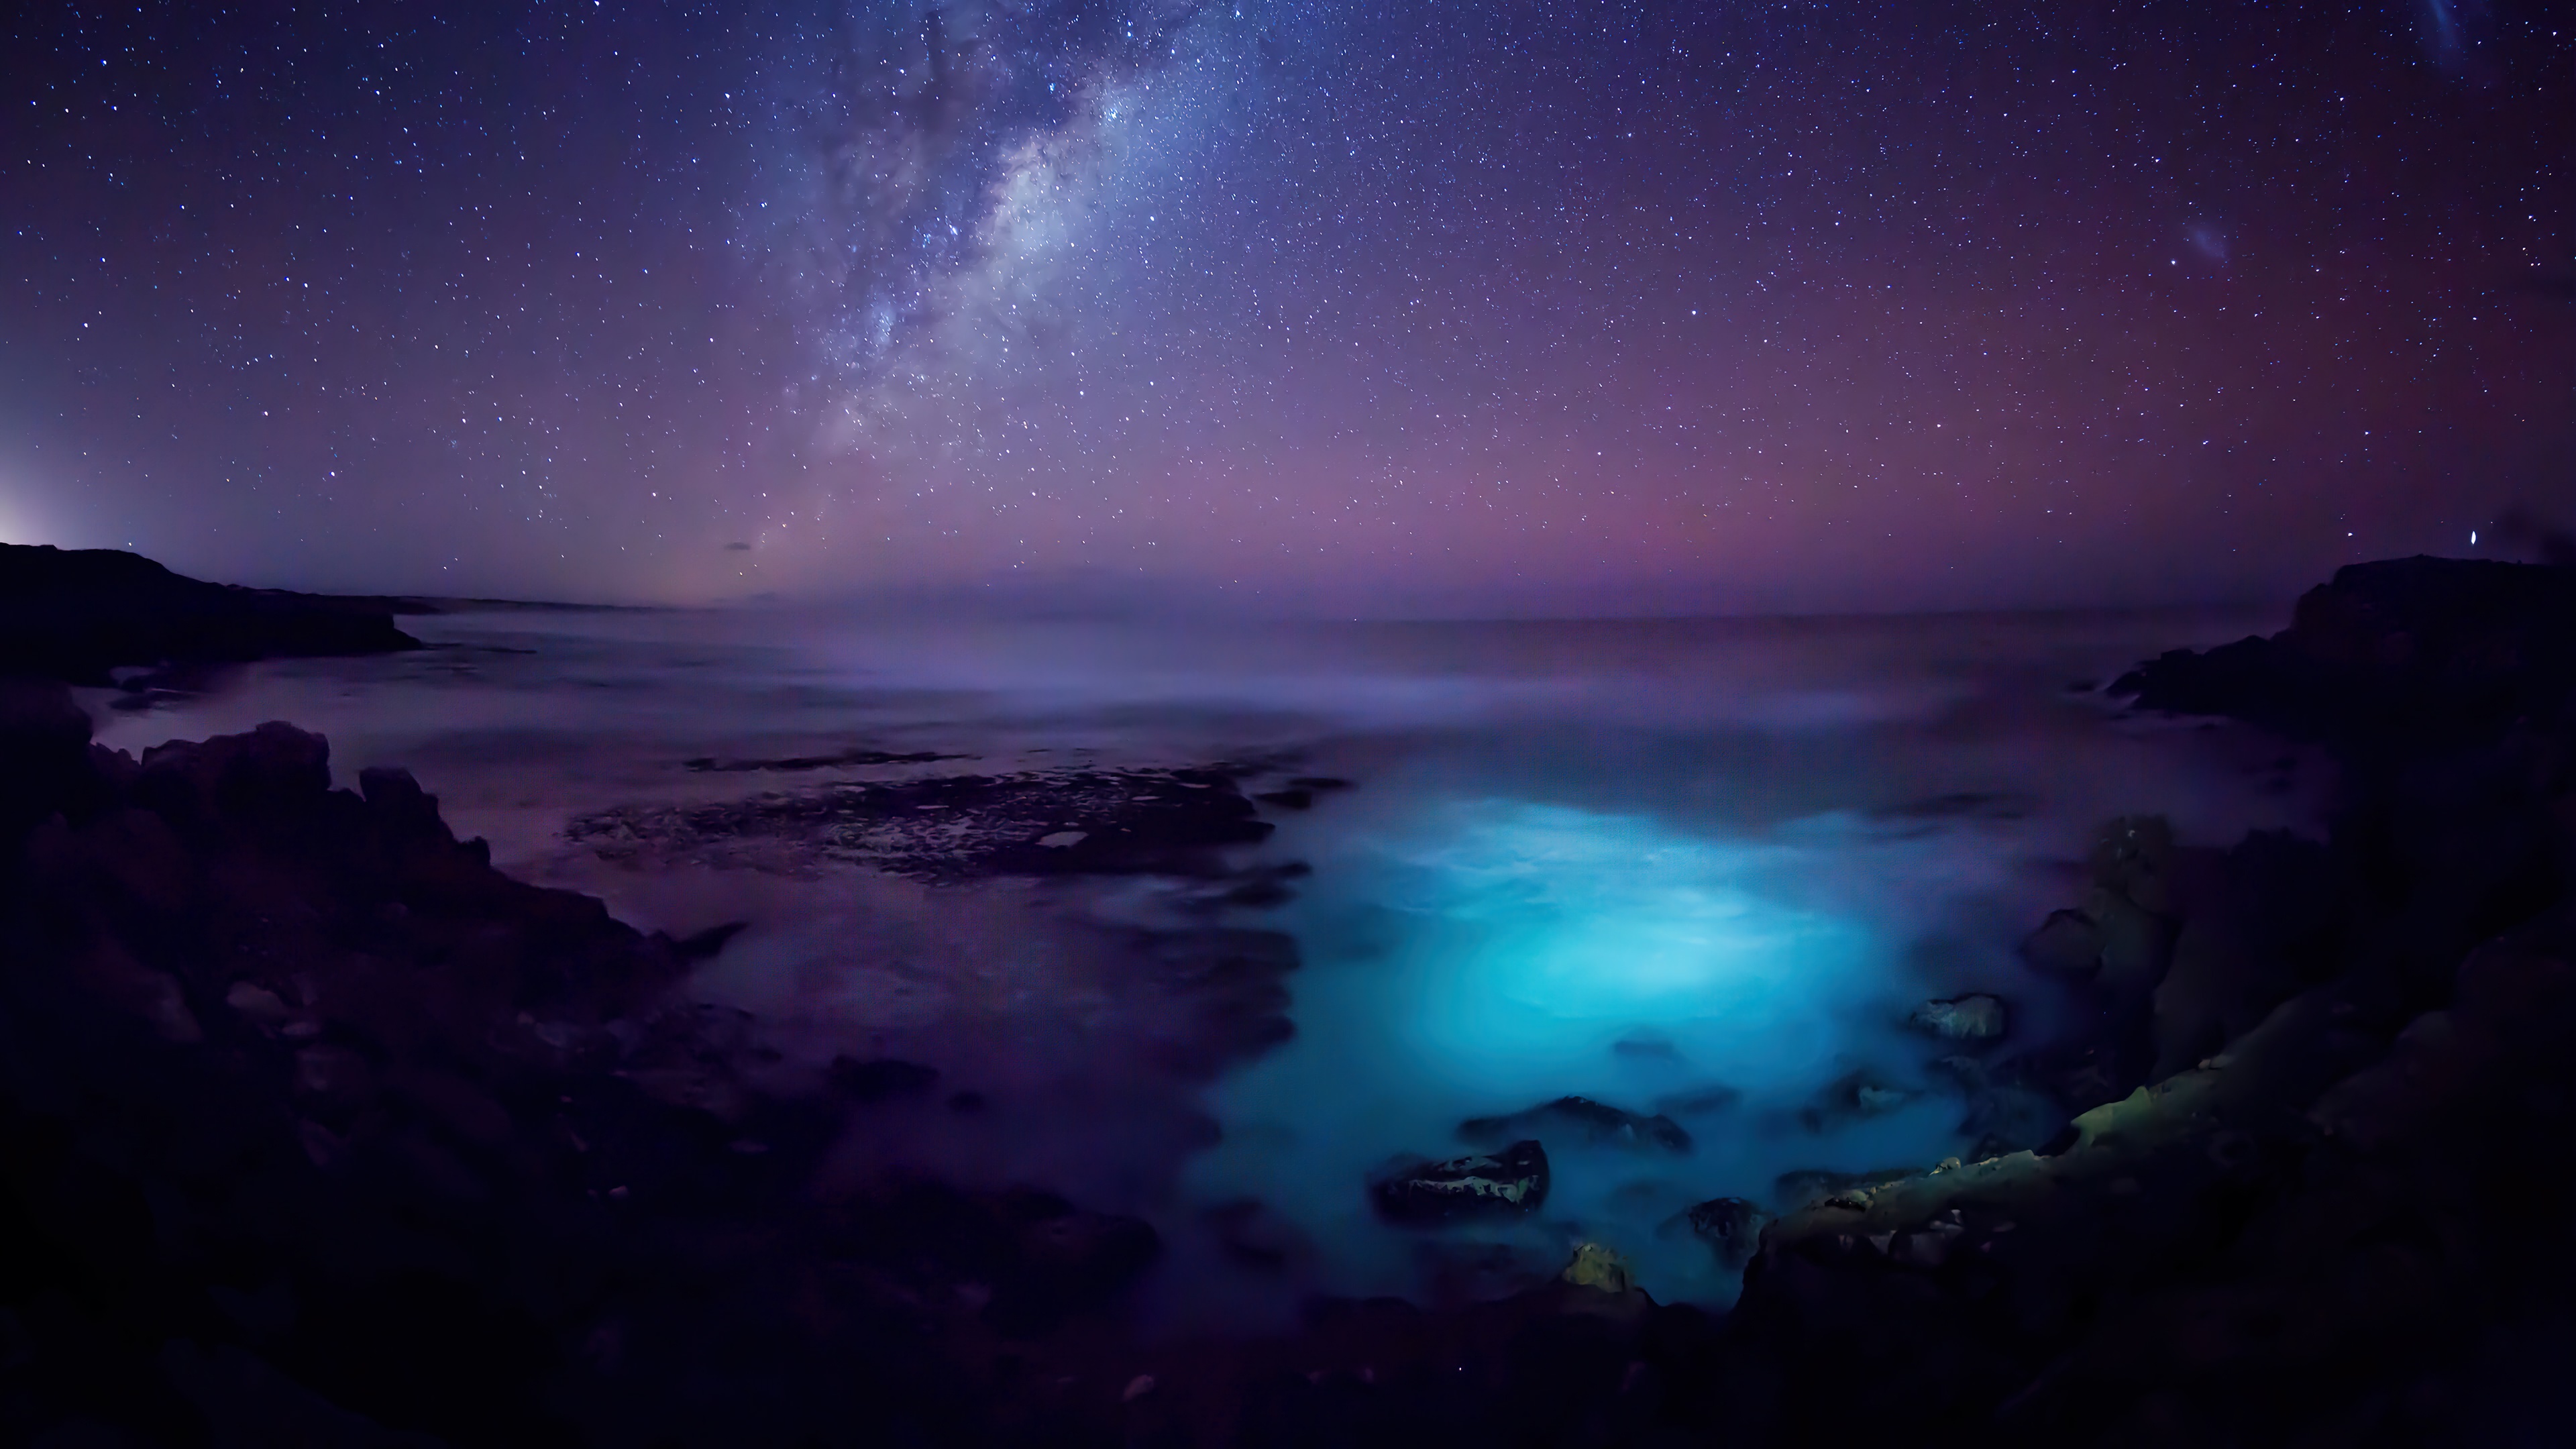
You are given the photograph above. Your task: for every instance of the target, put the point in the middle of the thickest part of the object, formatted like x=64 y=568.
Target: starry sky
x=1396 y=307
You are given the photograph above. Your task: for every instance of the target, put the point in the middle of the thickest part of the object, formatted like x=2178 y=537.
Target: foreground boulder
x=1508 y=1183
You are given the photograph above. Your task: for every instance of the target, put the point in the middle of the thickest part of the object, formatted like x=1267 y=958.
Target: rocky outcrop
x=308 y=1116
x=2324 y=1085
x=2401 y=653
x=1507 y=1183
x=1731 y=1226
x=74 y=615
x=1579 y=1120
x=959 y=827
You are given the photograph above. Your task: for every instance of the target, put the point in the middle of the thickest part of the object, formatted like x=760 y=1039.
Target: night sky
x=1395 y=306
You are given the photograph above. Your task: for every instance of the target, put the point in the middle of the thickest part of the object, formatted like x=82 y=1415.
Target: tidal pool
x=1479 y=956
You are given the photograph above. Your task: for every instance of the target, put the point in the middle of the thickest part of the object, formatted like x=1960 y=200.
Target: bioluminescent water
x=1483 y=955
x=1701 y=869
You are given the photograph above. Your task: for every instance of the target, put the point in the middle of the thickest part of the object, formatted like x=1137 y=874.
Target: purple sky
x=1362 y=308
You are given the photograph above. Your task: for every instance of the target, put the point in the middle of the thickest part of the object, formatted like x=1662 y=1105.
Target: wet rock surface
x=1507 y=1183
x=1175 y=822
x=1573 y=1120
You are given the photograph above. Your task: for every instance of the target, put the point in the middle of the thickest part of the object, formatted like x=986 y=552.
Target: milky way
x=1395 y=307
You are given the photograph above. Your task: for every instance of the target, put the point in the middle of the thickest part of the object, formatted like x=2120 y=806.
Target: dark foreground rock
x=2328 y=1085
x=1731 y=1226
x=1579 y=1120
x=316 y=1129
x=1507 y=1183
x=75 y=615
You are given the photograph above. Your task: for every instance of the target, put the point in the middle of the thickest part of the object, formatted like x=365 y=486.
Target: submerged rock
x=1853 y=1096
x=1645 y=1047
x=1976 y=1017
x=1731 y=1226
x=1580 y=1119
x=1503 y=1184
x=1697 y=1101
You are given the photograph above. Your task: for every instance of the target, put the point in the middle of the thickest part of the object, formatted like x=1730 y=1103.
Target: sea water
x=1703 y=868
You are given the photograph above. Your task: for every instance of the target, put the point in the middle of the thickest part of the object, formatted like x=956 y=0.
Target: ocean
x=1701 y=869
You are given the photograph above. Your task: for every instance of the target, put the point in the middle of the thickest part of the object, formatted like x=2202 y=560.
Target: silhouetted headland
x=77 y=614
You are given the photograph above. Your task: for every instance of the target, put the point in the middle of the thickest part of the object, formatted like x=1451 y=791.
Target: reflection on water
x=1702 y=868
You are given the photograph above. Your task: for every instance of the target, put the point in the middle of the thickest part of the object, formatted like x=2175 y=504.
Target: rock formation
x=74 y=615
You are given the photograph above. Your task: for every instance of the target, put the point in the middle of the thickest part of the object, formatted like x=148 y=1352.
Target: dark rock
x=2419 y=651
x=1064 y=1261
x=2134 y=859
x=1459 y=1271
x=709 y=764
x=2068 y=944
x=75 y=615
x=2137 y=944
x=45 y=764
x=1600 y=1269
x=1253 y=1236
x=881 y=1079
x=1820 y=1185
x=1645 y=1049
x=2263 y=930
x=1579 y=1119
x=2010 y=1118
x=706 y=945
x=961 y=827
x=1508 y=1183
x=1731 y=1226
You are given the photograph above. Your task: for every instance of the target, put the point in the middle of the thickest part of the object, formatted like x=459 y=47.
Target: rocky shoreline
x=317 y=1129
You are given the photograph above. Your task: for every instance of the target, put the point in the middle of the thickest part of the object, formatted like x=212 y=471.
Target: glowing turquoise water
x=1482 y=956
